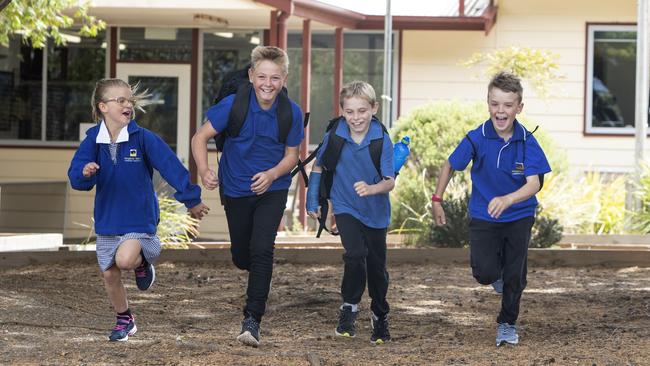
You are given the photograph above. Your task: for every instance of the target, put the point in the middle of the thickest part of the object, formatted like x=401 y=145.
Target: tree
x=539 y=67
x=38 y=20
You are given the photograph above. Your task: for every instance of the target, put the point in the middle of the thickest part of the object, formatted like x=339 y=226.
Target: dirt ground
x=59 y=314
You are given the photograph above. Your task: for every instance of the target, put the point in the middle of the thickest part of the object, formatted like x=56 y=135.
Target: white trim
x=183 y=73
x=44 y=93
x=500 y=150
x=592 y=29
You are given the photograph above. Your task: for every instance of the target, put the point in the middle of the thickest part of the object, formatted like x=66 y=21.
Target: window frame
x=591 y=29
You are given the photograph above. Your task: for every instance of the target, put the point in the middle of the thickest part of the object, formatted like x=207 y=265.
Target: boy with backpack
x=358 y=188
x=262 y=130
x=507 y=171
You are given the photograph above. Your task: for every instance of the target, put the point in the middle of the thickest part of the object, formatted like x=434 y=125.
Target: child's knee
x=127 y=261
x=111 y=276
x=241 y=263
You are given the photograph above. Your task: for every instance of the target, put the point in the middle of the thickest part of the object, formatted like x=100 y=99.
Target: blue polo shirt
x=500 y=168
x=354 y=165
x=257 y=147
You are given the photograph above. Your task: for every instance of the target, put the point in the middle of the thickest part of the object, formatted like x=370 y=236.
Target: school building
x=181 y=50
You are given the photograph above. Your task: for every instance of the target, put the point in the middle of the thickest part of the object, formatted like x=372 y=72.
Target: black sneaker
x=124 y=328
x=250 y=332
x=380 y=333
x=145 y=274
x=347 y=319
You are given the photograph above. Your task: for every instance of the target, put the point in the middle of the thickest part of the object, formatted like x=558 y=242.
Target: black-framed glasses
x=121 y=101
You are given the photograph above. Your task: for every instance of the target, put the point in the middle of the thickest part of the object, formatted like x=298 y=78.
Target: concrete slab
x=26 y=242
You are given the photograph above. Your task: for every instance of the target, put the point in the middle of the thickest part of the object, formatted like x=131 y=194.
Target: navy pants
x=364 y=259
x=253 y=224
x=501 y=248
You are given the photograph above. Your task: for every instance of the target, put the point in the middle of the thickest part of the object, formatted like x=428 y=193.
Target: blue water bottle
x=401 y=151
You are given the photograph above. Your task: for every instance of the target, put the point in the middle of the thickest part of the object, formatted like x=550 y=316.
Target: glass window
x=363 y=59
x=611 y=83
x=72 y=71
x=224 y=52
x=155 y=44
x=21 y=87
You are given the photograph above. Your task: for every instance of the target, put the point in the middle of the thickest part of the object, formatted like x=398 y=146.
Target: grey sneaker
x=498 y=286
x=507 y=333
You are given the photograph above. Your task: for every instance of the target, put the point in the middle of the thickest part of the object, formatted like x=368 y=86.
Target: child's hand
x=209 y=179
x=314 y=215
x=261 y=182
x=438 y=214
x=199 y=211
x=497 y=205
x=90 y=169
x=363 y=189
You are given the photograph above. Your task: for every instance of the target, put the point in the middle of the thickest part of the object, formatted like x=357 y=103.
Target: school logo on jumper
x=133 y=156
x=519 y=169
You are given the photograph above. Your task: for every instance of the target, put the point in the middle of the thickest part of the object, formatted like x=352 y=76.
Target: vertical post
x=194 y=77
x=386 y=115
x=113 y=44
x=642 y=91
x=338 y=70
x=305 y=87
x=282 y=30
x=461 y=8
x=273 y=29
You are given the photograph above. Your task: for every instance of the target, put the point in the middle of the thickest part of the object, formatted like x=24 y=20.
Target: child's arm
x=312 y=206
x=83 y=166
x=446 y=173
x=200 y=153
x=165 y=161
x=263 y=180
x=364 y=189
x=499 y=204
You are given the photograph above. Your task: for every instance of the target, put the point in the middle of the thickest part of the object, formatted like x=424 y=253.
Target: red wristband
x=436 y=198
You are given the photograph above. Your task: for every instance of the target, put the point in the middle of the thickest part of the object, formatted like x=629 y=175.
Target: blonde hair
x=270 y=53
x=102 y=87
x=359 y=89
x=508 y=83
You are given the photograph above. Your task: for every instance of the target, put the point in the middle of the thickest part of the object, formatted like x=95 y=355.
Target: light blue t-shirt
x=354 y=165
x=256 y=148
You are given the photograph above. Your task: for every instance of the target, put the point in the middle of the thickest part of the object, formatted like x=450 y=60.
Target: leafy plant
x=38 y=20
x=538 y=67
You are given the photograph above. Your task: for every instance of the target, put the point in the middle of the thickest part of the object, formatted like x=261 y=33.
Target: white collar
x=103 y=137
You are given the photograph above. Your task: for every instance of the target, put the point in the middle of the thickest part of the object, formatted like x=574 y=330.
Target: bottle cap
x=406 y=140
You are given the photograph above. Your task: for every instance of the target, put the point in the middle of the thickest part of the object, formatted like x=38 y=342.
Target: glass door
x=168 y=115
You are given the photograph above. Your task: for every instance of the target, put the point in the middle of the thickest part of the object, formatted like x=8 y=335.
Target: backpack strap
x=239 y=109
x=376 y=147
x=474 y=151
x=285 y=115
x=300 y=167
x=330 y=159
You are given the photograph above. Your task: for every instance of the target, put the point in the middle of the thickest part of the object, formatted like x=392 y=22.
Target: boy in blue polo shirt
x=254 y=176
x=507 y=171
x=361 y=206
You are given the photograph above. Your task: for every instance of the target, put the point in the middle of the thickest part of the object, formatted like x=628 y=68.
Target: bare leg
x=115 y=289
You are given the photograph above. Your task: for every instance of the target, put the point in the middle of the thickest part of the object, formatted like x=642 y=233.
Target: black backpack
x=331 y=157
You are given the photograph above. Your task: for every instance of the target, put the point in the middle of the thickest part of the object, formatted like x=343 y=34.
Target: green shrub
x=435 y=131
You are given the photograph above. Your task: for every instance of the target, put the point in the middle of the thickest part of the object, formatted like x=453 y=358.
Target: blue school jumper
x=125 y=201
x=500 y=167
x=354 y=165
x=256 y=148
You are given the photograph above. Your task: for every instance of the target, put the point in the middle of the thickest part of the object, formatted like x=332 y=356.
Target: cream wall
x=430 y=70
x=49 y=166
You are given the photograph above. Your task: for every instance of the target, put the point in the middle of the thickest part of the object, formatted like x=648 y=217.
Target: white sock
x=355 y=307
